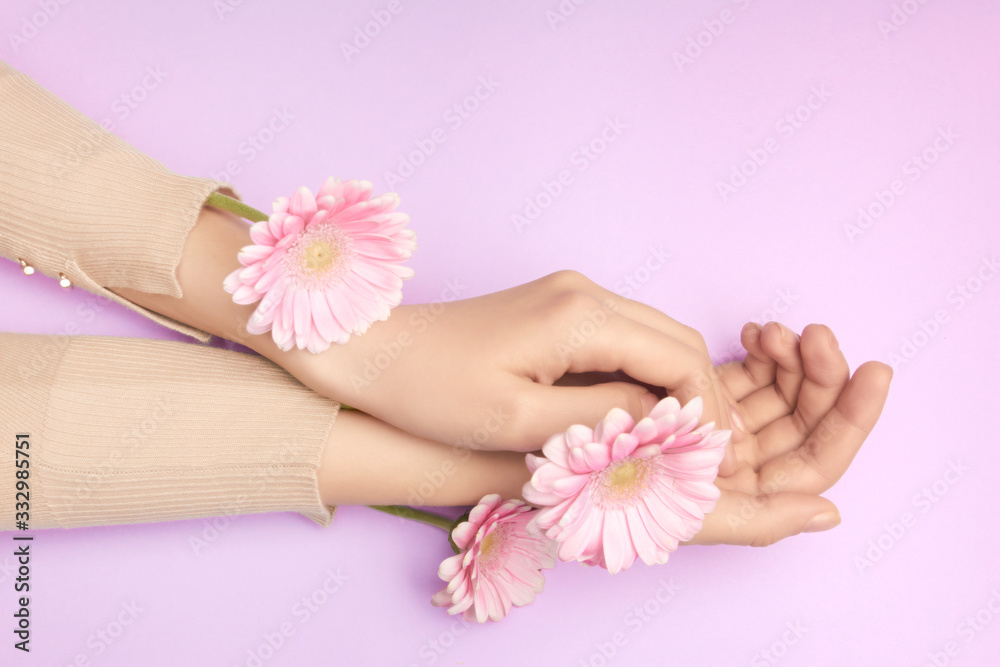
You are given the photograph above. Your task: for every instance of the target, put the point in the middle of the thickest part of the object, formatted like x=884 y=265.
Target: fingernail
x=786 y=336
x=821 y=522
x=735 y=419
x=832 y=339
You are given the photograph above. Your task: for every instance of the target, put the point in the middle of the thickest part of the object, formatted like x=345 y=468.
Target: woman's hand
x=802 y=422
x=480 y=371
x=805 y=419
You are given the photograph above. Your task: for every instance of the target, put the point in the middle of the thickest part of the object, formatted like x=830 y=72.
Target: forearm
x=368 y=462
x=210 y=254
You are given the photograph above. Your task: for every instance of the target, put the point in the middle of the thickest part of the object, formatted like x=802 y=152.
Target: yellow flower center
x=624 y=475
x=319 y=255
x=491 y=549
x=621 y=483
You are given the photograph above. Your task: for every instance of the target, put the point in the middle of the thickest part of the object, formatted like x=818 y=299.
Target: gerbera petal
x=260 y=233
x=554 y=449
x=581 y=536
x=315 y=341
x=598 y=455
x=617 y=421
x=331 y=188
x=667 y=406
x=579 y=435
x=324 y=320
x=644 y=545
x=567 y=486
x=303 y=204
x=245 y=295
x=342 y=309
x=691 y=412
x=291 y=226
x=645 y=431
x=617 y=545
x=280 y=204
x=254 y=253
x=450 y=567
x=377 y=276
x=623 y=445
x=269 y=279
x=301 y=312
x=463 y=534
x=232 y=282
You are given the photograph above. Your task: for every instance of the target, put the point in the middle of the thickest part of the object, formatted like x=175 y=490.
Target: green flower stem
x=430 y=518
x=220 y=200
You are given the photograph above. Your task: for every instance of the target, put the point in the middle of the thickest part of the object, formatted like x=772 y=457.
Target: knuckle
x=569 y=304
x=566 y=279
x=630 y=400
x=697 y=341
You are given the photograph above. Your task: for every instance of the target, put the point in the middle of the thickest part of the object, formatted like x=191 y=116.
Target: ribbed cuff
x=77 y=200
x=133 y=431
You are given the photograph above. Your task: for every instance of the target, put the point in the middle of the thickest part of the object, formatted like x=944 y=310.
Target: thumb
x=762 y=520
x=559 y=407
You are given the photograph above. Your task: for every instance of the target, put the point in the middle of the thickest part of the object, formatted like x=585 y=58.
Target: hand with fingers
x=483 y=371
x=478 y=371
x=800 y=420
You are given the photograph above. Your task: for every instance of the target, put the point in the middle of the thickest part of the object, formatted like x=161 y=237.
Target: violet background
x=685 y=129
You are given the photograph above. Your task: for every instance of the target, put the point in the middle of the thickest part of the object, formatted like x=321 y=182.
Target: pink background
x=872 y=591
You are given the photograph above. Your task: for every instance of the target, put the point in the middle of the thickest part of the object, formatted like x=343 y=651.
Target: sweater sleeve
x=78 y=201
x=123 y=430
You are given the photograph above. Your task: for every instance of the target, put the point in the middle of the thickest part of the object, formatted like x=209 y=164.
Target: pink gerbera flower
x=499 y=564
x=624 y=489
x=324 y=267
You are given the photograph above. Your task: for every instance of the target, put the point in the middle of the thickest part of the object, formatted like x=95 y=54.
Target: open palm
x=805 y=419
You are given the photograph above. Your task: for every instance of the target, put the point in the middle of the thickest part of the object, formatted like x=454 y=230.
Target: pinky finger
x=759 y=521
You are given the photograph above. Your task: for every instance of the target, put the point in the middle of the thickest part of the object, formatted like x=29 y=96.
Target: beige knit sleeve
x=78 y=201
x=123 y=430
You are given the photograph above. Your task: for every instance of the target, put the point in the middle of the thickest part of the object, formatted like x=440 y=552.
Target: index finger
x=651 y=356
